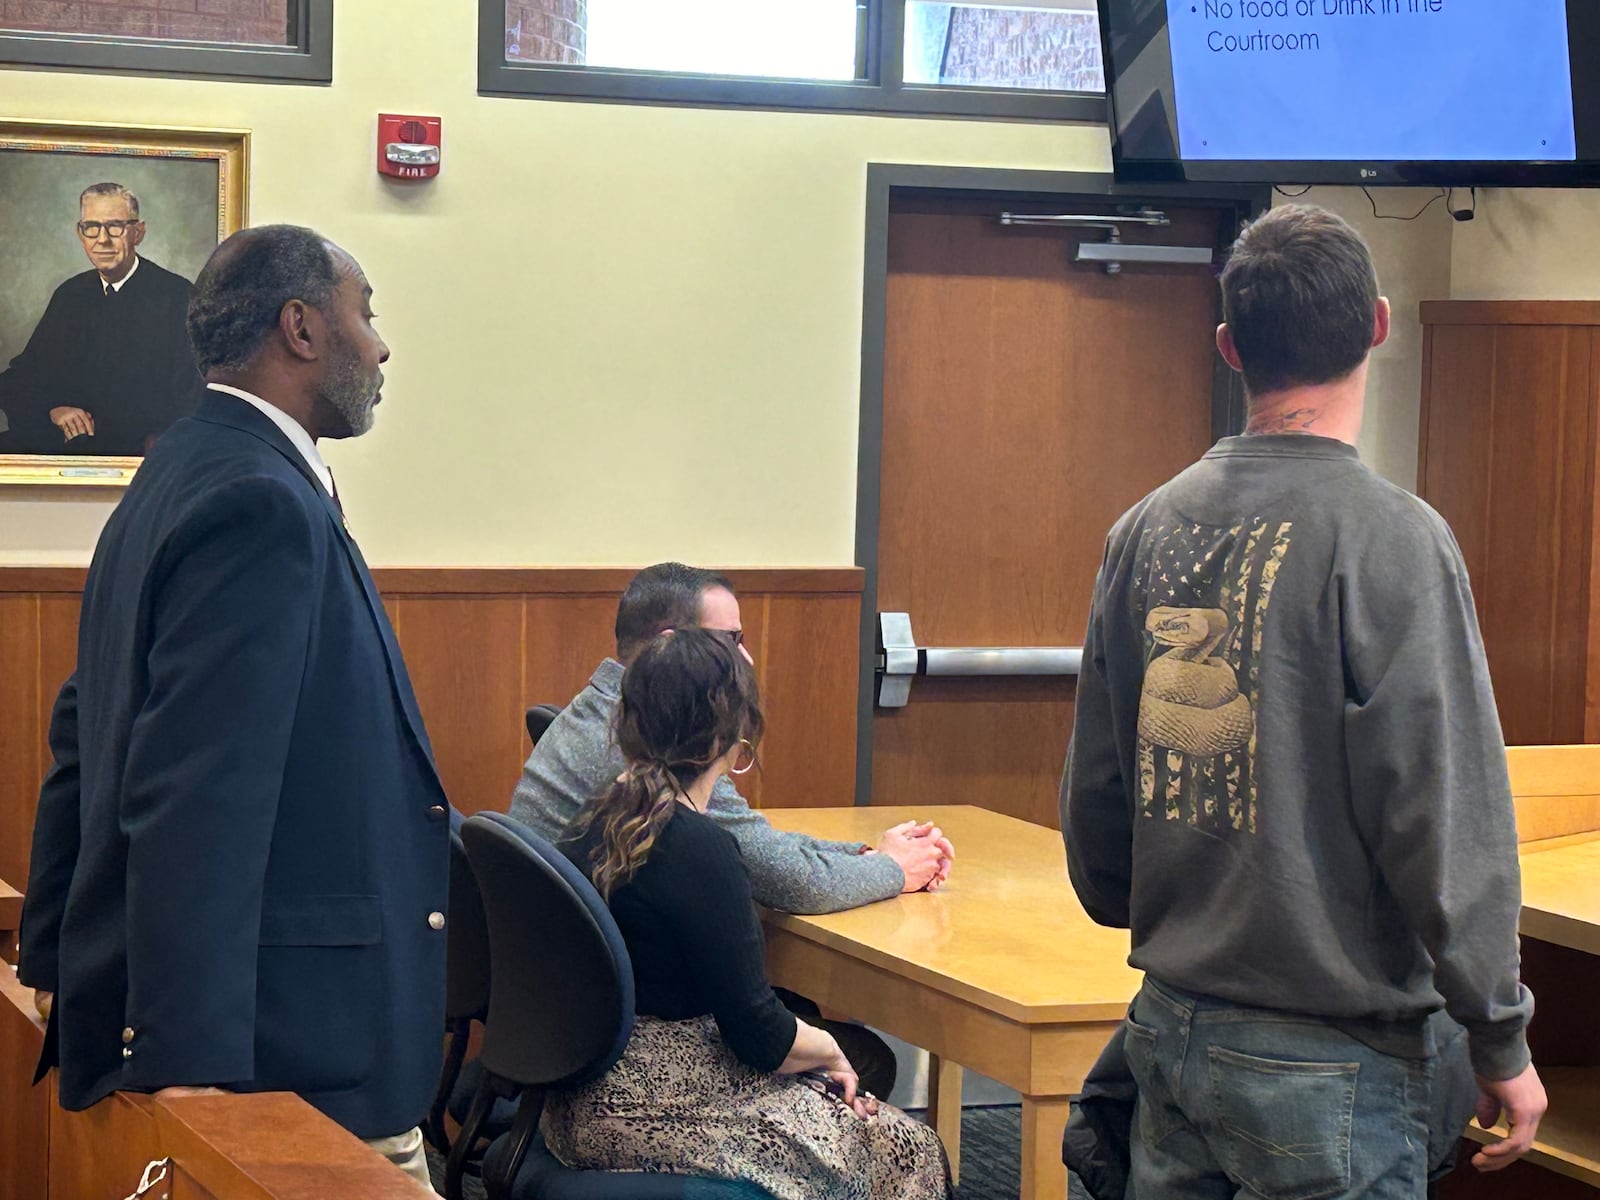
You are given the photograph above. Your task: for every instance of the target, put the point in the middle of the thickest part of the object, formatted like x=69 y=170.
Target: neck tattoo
x=1293 y=420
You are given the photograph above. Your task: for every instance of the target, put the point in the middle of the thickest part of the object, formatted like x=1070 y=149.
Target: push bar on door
x=902 y=659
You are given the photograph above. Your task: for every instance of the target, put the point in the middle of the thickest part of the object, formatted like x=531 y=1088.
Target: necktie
x=111 y=292
x=336 y=502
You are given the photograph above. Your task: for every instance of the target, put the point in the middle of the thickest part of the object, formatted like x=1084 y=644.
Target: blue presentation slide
x=1372 y=80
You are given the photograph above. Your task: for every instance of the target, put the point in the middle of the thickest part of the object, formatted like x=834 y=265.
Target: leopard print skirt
x=679 y=1101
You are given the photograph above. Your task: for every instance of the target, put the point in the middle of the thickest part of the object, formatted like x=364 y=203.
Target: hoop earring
x=734 y=768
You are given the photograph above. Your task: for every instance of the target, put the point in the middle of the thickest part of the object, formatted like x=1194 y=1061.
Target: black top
x=125 y=359
x=691 y=929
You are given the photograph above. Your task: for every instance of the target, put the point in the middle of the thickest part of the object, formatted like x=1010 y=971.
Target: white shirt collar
x=117 y=286
x=292 y=429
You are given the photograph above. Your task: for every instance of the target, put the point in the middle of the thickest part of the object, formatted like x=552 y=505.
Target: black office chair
x=466 y=984
x=560 y=1015
x=466 y=1000
x=538 y=719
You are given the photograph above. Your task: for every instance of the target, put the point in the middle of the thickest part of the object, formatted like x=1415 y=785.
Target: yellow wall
x=1529 y=245
x=619 y=333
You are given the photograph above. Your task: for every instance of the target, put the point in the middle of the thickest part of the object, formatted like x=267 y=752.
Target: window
x=263 y=39
x=1031 y=46
x=1028 y=58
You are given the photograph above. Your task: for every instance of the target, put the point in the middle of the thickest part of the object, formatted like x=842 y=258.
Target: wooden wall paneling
x=809 y=648
x=566 y=637
x=1573 y=548
x=1459 y=409
x=20 y=734
x=1510 y=312
x=465 y=658
x=58 y=649
x=482 y=645
x=755 y=618
x=1510 y=456
x=1532 y=472
x=1591 y=688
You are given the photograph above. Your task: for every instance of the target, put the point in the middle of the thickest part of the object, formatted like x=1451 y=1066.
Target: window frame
x=881 y=91
x=308 y=60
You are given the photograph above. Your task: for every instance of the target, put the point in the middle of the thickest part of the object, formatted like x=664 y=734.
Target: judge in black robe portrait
x=109 y=365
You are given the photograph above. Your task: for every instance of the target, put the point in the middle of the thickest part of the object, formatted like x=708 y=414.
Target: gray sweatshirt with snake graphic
x=1287 y=776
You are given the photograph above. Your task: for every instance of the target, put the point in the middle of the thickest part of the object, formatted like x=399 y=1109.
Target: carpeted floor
x=991 y=1157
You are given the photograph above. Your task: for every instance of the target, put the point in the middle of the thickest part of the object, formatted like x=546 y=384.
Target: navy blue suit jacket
x=242 y=839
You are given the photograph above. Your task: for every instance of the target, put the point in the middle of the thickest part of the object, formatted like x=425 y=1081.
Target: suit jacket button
x=436 y=920
x=436 y=813
x=127 y=1052
x=127 y=1035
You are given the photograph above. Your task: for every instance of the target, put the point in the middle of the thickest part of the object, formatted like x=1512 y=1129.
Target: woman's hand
x=863 y=1104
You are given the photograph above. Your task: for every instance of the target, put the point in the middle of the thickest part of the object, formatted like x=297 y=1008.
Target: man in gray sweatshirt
x=577 y=760
x=1287 y=778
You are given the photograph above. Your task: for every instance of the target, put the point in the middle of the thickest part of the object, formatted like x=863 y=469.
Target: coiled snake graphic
x=1191 y=701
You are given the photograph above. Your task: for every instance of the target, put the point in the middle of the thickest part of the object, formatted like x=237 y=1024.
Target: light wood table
x=1561 y=904
x=1561 y=892
x=1000 y=970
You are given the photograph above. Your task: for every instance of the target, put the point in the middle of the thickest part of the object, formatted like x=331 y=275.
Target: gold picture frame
x=137 y=150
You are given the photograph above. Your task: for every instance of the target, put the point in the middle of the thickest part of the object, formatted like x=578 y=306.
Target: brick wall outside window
x=546 y=31
x=1057 y=51
x=255 y=22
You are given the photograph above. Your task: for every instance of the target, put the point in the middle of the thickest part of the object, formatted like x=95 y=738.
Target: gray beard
x=349 y=392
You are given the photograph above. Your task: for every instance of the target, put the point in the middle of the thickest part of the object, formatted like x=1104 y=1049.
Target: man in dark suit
x=108 y=368
x=241 y=852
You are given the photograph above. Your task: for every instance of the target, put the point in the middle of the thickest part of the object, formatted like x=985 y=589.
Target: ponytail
x=630 y=818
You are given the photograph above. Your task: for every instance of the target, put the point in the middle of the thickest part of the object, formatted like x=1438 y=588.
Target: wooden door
x=1510 y=413
x=1028 y=401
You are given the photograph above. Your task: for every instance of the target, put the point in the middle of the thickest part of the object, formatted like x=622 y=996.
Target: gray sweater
x=1287 y=775
x=577 y=760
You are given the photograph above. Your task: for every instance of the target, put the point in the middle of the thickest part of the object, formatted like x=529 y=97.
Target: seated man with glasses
x=109 y=365
x=577 y=760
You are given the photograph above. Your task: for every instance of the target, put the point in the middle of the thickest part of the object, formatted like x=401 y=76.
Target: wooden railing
x=268 y=1146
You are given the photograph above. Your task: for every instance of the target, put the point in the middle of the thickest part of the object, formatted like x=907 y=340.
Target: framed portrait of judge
x=102 y=230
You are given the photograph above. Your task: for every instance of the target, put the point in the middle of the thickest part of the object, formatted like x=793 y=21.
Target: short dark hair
x=665 y=596
x=243 y=287
x=1299 y=295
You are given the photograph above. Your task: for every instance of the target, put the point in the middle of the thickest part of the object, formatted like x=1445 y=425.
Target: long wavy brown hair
x=687 y=699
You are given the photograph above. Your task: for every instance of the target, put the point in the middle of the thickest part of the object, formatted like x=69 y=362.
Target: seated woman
x=719 y=1077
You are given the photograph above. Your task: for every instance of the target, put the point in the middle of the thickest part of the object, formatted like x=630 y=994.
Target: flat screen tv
x=1436 y=93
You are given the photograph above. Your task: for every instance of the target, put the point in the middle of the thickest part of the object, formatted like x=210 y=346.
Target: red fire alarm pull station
x=409 y=147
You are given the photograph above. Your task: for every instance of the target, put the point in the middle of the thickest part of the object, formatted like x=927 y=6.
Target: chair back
x=561 y=990
x=538 y=719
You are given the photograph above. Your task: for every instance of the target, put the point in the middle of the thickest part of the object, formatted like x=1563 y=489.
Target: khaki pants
x=405 y=1151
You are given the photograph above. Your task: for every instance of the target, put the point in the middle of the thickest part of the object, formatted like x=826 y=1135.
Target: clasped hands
x=921 y=851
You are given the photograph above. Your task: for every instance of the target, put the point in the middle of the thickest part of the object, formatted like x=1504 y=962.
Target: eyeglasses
x=91 y=229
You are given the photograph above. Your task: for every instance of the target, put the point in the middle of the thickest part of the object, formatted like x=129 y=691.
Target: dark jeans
x=1248 y=1104
x=868 y=1053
